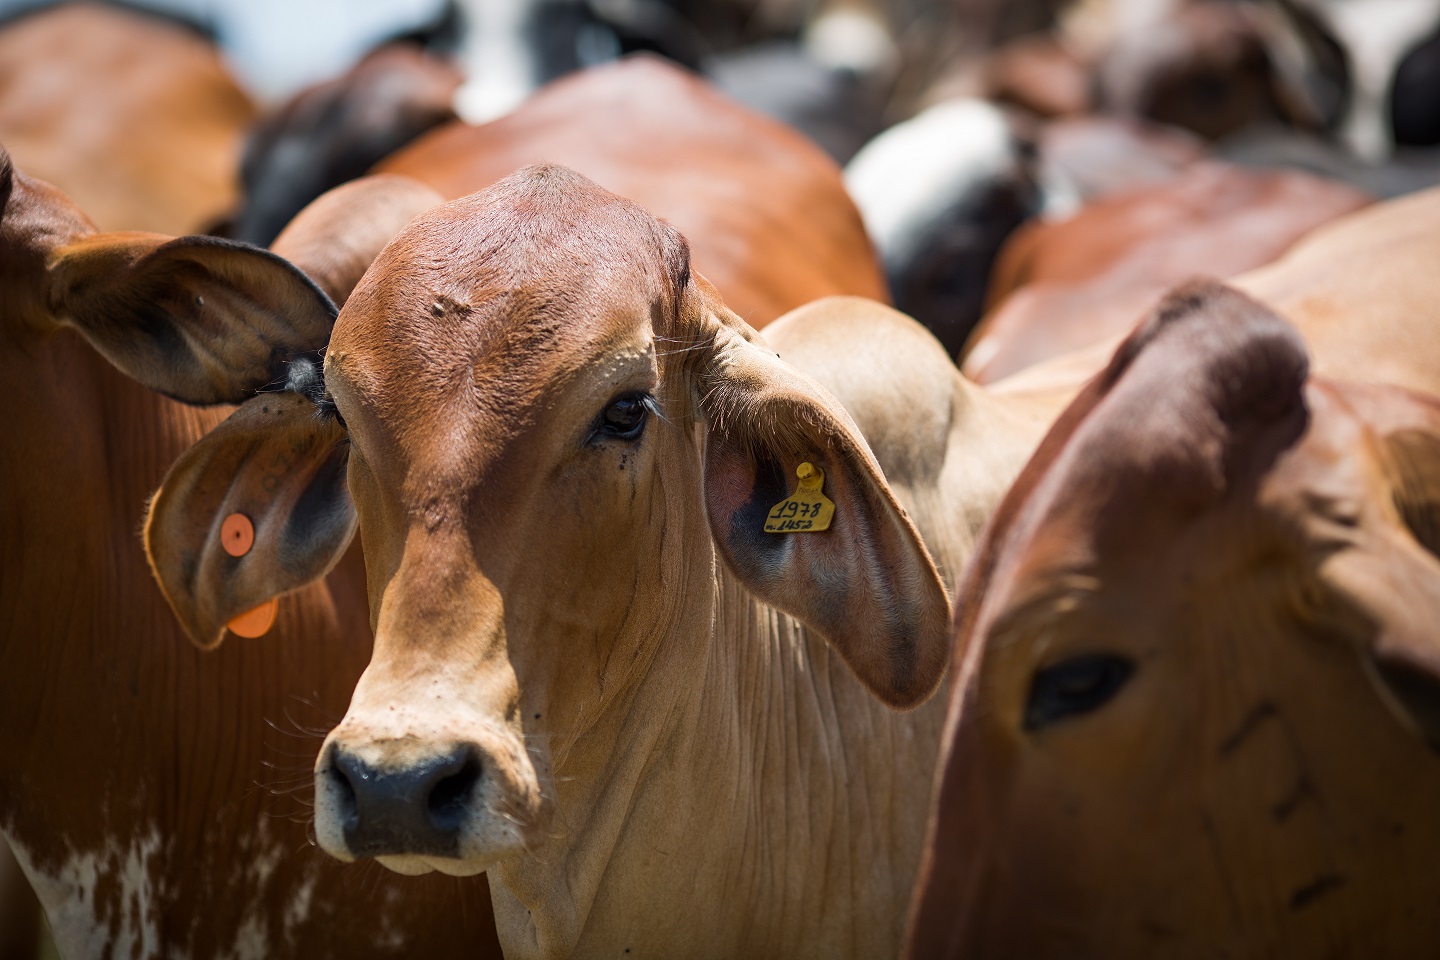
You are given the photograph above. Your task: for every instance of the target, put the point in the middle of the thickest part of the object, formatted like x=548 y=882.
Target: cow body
x=770 y=221
x=1363 y=293
x=186 y=836
x=1359 y=289
x=1199 y=668
x=1061 y=286
x=133 y=117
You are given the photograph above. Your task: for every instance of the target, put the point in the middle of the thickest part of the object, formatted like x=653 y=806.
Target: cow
x=766 y=212
x=336 y=131
x=133 y=116
x=1360 y=289
x=940 y=193
x=1063 y=285
x=1194 y=711
x=155 y=798
x=596 y=675
x=1363 y=292
x=1390 y=55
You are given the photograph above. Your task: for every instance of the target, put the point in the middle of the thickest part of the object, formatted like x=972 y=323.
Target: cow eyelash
x=624 y=417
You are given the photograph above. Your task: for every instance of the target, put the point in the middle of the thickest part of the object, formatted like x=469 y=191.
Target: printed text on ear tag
x=807 y=510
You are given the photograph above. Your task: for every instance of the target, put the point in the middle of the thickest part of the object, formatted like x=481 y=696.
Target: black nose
x=417 y=810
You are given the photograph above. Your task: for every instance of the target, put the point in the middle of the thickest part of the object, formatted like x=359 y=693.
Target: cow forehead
x=483 y=305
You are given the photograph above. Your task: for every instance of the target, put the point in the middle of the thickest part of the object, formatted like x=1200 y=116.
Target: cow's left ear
x=256 y=509
x=867 y=584
x=200 y=319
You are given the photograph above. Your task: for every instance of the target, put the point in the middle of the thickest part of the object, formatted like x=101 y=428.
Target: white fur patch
x=499 y=63
x=849 y=39
x=127 y=927
x=1376 y=35
x=912 y=172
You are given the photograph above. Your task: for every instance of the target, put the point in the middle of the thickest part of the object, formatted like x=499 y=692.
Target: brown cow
x=766 y=211
x=596 y=675
x=134 y=117
x=147 y=789
x=1362 y=290
x=334 y=131
x=1195 y=711
x=1064 y=285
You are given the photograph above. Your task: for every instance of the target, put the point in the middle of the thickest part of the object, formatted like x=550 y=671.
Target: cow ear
x=200 y=319
x=339 y=234
x=867 y=584
x=257 y=508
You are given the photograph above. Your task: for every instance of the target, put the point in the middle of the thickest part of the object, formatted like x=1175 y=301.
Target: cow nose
x=418 y=810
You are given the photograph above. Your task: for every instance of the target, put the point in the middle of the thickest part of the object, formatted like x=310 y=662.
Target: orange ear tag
x=807 y=510
x=256 y=621
x=237 y=534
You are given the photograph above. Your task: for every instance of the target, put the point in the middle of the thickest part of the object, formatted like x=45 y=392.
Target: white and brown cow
x=154 y=796
x=659 y=728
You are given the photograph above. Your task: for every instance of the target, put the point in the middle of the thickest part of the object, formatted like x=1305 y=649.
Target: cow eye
x=1074 y=686
x=624 y=418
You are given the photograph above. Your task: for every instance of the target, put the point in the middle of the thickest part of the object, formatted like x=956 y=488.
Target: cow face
x=1193 y=713
x=552 y=429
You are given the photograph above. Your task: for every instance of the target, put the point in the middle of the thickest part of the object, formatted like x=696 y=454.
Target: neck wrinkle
x=732 y=786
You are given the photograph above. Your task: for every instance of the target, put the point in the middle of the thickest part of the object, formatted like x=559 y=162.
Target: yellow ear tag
x=807 y=510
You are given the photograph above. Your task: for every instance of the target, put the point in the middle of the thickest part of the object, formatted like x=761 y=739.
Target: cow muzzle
x=416 y=810
x=417 y=806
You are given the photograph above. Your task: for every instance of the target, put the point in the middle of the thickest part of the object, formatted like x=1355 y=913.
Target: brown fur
x=133 y=117
x=766 y=212
x=1064 y=285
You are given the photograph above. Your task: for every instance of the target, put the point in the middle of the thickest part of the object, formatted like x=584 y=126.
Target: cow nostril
x=346 y=805
x=450 y=796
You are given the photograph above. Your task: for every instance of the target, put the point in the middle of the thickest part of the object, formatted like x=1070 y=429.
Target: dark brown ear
x=279 y=465
x=867 y=584
x=336 y=238
x=199 y=319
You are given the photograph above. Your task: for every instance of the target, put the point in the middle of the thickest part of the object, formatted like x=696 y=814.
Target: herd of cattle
x=1119 y=639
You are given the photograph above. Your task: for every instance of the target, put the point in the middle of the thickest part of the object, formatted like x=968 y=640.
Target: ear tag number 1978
x=807 y=510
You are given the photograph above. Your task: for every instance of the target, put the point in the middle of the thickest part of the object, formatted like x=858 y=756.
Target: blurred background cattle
x=1027 y=178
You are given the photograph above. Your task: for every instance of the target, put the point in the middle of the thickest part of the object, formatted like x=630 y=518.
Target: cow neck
x=761 y=801
x=737 y=760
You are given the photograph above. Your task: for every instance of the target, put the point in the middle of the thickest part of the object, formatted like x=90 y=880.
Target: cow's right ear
x=863 y=579
x=256 y=509
x=199 y=319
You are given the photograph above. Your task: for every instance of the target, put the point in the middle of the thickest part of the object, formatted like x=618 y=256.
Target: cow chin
x=418 y=866
x=418 y=801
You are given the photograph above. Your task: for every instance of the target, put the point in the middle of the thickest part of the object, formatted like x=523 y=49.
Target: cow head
x=1196 y=696
x=553 y=428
